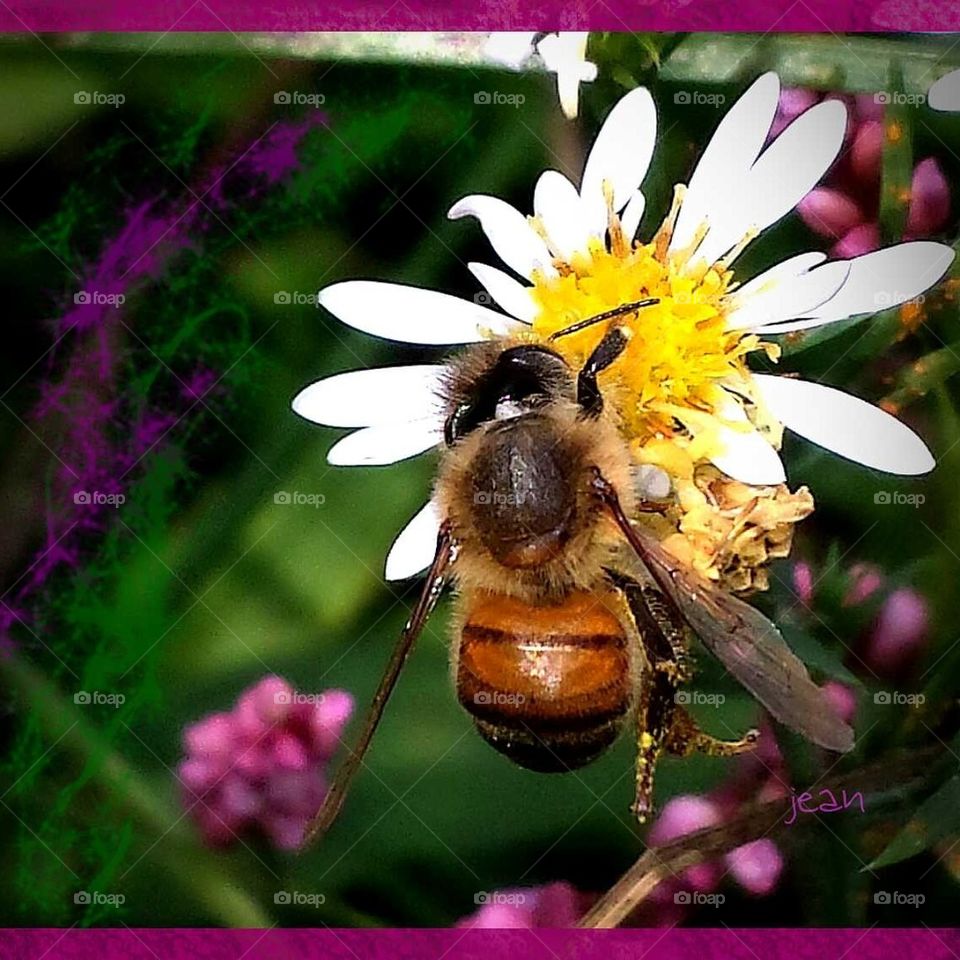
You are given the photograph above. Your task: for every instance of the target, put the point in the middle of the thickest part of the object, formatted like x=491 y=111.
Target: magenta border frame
x=238 y=16
x=724 y=943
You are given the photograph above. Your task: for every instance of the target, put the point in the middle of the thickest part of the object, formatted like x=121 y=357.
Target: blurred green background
x=201 y=583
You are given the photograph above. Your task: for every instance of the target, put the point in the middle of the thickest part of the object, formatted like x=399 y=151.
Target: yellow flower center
x=680 y=351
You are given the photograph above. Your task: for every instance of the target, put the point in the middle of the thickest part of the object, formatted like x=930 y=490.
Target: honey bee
x=570 y=617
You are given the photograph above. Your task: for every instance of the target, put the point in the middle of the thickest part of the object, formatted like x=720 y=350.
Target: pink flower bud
x=866 y=153
x=803 y=582
x=756 y=866
x=864 y=238
x=211 y=737
x=842 y=699
x=899 y=634
x=289 y=753
x=553 y=905
x=328 y=719
x=865 y=580
x=929 y=208
x=829 y=212
x=683 y=815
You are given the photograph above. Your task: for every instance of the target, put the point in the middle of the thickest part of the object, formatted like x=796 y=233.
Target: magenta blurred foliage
x=103 y=433
x=259 y=767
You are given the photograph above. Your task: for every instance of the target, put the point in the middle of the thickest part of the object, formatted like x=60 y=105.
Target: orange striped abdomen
x=548 y=686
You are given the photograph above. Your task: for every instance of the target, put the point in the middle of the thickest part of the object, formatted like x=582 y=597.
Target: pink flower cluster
x=259 y=768
x=898 y=635
x=553 y=905
x=846 y=208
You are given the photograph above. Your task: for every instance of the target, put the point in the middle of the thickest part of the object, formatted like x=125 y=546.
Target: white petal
x=363 y=398
x=888 y=277
x=410 y=314
x=509 y=48
x=945 y=93
x=416 y=546
x=747 y=456
x=845 y=424
x=621 y=154
x=516 y=242
x=782 y=176
x=729 y=156
x=508 y=293
x=565 y=55
x=632 y=214
x=387 y=443
x=783 y=296
x=557 y=203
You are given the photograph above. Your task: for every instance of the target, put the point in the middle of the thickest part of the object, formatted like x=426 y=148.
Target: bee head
x=508 y=383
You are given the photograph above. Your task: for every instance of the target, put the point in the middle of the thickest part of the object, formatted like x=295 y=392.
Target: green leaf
x=937 y=818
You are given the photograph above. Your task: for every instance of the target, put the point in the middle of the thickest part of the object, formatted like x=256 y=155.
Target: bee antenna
x=608 y=315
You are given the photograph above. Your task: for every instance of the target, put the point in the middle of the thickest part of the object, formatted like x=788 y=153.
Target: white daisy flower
x=683 y=382
x=564 y=54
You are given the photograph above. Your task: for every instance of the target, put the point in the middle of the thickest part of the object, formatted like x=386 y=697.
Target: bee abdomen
x=547 y=686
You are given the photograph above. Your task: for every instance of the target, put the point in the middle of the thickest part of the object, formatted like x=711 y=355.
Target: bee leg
x=685 y=737
x=589 y=398
x=665 y=651
x=655 y=706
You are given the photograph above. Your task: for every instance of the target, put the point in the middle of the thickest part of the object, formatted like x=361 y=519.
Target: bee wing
x=748 y=645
